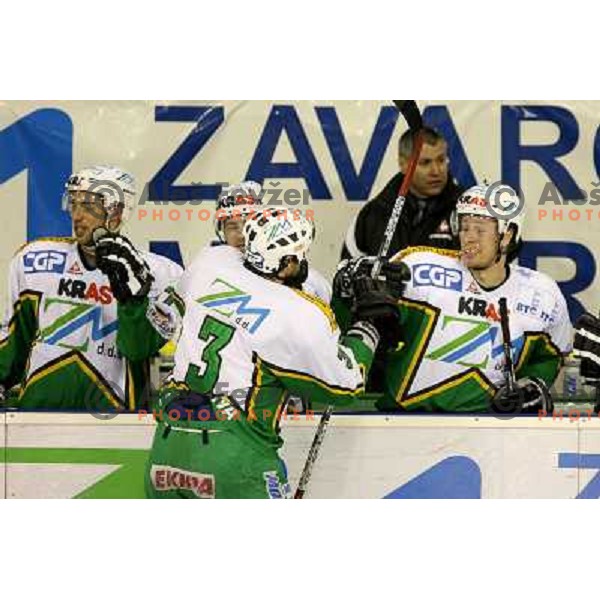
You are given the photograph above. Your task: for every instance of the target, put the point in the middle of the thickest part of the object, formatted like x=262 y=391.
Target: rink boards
x=372 y=456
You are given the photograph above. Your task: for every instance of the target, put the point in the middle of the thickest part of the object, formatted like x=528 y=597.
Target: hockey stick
x=509 y=369
x=596 y=397
x=509 y=366
x=412 y=115
x=410 y=111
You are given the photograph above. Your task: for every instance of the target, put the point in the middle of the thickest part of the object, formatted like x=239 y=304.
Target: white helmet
x=273 y=235
x=116 y=187
x=496 y=201
x=236 y=200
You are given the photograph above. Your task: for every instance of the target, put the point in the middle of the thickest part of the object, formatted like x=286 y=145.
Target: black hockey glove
x=586 y=346
x=374 y=304
x=127 y=271
x=529 y=395
x=394 y=274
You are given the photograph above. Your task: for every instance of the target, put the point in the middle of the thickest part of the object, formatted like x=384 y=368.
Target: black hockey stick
x=412 y=115
x=509 y=366
x=510 y=376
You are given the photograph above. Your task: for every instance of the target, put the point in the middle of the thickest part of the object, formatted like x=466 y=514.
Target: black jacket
x=432 y=228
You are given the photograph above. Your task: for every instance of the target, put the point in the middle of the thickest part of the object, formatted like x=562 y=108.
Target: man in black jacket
x=425 y=219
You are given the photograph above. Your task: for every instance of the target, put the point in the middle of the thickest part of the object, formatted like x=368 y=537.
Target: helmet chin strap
x=499 y=253
x=502 y=250
x=116 y=228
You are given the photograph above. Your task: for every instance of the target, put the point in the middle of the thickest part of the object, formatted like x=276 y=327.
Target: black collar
x=495 y=287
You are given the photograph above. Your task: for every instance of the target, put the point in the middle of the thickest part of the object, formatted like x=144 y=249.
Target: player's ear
x=114 y=223
x=507 y=239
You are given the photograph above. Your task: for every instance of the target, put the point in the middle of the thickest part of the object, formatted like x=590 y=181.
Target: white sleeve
x=317 y=285
x=560 y=329
x=15 y=286
x=416 y=262
x=165 y=307
x=166 y=274
x=309 y=356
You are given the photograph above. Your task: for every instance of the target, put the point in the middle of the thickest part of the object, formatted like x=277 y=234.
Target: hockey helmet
x=234 y=201
x=272 y=236
x=115 y=187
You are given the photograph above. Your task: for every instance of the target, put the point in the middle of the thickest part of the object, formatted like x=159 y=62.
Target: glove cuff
x=162 y=318
x=367 y=334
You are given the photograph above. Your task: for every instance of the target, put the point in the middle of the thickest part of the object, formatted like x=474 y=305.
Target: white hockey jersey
x=63 y=325
x=453 y=356
x=255 y=340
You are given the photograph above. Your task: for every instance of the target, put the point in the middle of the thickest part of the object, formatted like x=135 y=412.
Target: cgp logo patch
x=44 y=261
x=436 y=276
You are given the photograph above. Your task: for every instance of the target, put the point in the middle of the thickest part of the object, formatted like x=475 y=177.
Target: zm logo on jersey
x=471 y=343
x=73 y=322
x=45 y=261
x=231 y=302
x=436 y=276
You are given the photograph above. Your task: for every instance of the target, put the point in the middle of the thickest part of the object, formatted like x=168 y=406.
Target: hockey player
x=249 y=337
x=234 y=205
x=151 y=321
x=452 y=358
x=61 y=335
x=586 y=346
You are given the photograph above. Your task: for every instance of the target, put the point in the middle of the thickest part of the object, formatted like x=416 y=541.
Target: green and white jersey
x=59 y=339
x=453 y=356
x=248 y=342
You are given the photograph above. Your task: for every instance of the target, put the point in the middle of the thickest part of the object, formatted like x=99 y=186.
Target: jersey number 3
x=202 y=378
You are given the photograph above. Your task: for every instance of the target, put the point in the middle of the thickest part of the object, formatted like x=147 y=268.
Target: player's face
x=478 y=241
x=233 y=232
x=87 y=214
x=431 y=173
